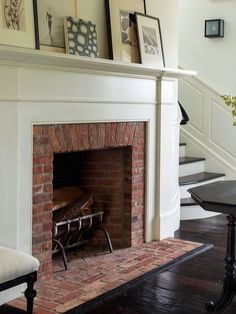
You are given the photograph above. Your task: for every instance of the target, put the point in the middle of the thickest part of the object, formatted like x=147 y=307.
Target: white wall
x=213 y=59
x=165 y=10
x=210 y=130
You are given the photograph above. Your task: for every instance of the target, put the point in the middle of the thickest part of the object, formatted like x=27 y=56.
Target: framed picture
x=49 y=25
x=80 y=37
x=17 y=23
x=121 y=28
x=150 y=40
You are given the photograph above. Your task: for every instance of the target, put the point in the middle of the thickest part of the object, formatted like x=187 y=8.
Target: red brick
x=101 y=131
x=60 y=137
x=42 y=160
x=37 y=209
x=47 y=169
x=92 y=136
x=48 y=188
x=85 y=132
x=67 y=137
x=37 y=130
x=80 y=139
x=120 y=134
x=47 y=207
x=41 y=198
x=111 y=136
x=37 y=229
x=38 y=170
x=73 y=136
x=129 y=134
x=93 y=279
x=53 y=138
x=37 y=249
x=47 y=226
x=38 y=189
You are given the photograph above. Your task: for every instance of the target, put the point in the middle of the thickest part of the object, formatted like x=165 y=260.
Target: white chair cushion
x=14 y=264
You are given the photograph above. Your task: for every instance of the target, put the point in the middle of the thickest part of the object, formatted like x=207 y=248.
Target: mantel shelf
x=35 y=58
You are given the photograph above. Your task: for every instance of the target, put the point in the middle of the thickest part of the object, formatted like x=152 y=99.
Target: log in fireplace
x=76 y=217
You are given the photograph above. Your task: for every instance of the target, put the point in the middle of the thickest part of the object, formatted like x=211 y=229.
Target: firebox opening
x=104 y=175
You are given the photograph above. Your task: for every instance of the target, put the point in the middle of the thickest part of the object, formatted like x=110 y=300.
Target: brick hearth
x=64 y=138
x=69 y=289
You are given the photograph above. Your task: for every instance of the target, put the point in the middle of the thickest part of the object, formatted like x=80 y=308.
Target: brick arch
x=60 y=138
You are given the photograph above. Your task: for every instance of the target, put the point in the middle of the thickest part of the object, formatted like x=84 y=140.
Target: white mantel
x=43 y=88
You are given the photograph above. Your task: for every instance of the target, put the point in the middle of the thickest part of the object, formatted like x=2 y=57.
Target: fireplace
x=106 y=159
x=57 y=94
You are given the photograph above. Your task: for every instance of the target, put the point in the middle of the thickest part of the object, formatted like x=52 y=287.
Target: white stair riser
x=195 y=212
x=191 y=168
x=182 y=151
x=184 y=188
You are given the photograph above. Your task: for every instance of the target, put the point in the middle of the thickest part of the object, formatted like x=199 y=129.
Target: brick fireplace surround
x=54 y=94
x=64 y=138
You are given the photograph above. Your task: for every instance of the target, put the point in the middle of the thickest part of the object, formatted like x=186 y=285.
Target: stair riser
x=182 y=151
x=191 y=168
x=184 y=188
x=194 y=212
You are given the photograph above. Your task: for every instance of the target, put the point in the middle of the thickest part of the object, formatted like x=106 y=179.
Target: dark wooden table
x=221 y=197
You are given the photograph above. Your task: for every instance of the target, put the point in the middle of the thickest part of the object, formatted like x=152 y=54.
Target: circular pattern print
x=82 y=37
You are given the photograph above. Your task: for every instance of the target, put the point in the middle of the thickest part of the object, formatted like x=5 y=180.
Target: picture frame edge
x=36 y=24
x=160 y=33
x=162 y=46
x=108 y=27
x=38 y=46
x=138 y=36
x=66 y=34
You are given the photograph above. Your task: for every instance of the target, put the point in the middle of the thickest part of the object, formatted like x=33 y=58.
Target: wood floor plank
x=184 y=288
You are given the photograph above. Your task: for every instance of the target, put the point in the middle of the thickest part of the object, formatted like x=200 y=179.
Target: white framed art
x=17 y=23
x=122 y=38
x=150 y=40
x=49 y=23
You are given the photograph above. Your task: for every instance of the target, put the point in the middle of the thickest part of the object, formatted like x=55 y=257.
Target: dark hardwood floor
x=184 y=288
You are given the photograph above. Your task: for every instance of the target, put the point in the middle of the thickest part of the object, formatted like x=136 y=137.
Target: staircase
x=191 y=174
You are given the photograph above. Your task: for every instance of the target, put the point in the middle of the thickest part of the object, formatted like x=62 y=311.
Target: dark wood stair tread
x=189 y=160
x=199 y=177
x=188 y=201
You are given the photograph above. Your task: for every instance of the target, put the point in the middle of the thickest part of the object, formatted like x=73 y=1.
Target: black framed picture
x=121 y=26
x=150 y=40
x=49 y=23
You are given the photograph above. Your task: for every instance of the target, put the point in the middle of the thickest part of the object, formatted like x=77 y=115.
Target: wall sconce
x=214 y=28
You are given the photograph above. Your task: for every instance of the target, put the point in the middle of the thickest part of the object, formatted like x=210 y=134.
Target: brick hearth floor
x=91 y=274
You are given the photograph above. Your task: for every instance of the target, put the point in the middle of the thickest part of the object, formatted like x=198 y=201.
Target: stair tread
x=199 y=177
x=188 y=201
x=188 y=160
x=182 y=144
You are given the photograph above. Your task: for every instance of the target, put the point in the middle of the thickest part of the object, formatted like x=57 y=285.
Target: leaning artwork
x=81 y=37
x=150 y=41
x=50 y=15
x=14 y=14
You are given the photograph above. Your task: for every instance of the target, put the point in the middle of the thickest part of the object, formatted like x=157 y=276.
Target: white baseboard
x=195 y=212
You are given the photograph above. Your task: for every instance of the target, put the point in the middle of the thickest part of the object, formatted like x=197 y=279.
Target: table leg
x=229 y=286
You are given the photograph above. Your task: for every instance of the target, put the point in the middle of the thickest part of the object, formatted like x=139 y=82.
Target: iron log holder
x=75 y=227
